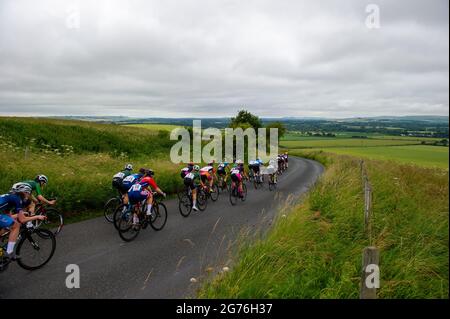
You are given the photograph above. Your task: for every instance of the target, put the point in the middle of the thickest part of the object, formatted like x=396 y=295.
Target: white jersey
x=119 y=175
x=206 y=169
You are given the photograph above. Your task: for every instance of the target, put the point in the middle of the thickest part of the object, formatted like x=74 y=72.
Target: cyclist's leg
x=149 y=201
x=14 y=226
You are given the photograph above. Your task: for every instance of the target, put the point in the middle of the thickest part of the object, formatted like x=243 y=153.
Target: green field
x=403 y=149
x=80 y=159
x=344 y=142
x=423 y=155
x=155 y=127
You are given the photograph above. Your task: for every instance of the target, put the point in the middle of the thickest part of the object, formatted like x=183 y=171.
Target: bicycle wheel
x=127 y=230
x=185 y=205
x=233 y=195
x=35 y=248
x=55 y=220
x=214 y=193
x=202 y=199
x=4 y=261
x=119 y=213
x=110 y=207
x=244 y=192
x=159 y=216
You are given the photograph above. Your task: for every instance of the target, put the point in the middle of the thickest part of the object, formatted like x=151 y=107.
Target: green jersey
x=35 y=186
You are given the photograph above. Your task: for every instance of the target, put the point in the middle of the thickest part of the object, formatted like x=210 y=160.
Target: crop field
x=155 y=127
x=344 y=142
x=422 y=155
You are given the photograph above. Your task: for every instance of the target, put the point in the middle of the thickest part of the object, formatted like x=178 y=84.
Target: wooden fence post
x=370 y=277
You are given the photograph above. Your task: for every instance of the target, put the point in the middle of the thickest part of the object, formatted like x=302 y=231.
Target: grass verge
x=315 y=250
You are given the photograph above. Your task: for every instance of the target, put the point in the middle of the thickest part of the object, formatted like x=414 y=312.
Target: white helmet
x=21 y=188
x=129 y=167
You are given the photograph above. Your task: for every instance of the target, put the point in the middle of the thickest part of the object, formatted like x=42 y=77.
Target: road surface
x=157 y=264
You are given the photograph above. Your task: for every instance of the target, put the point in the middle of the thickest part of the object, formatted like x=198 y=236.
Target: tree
x=245 y=119
x=278 y=125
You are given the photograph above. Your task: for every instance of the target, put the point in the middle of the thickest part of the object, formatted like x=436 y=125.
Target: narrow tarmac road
x=156 y=264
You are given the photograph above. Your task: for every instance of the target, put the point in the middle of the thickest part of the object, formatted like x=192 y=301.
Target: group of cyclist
x=18 y=206
x=194 y=177
x=137 y=187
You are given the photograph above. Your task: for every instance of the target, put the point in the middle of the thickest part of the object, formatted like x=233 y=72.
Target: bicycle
x=258 y=181
x=111 y=206
x=222 y=184
x=212 y=193
x=272 y=181
x=54 y=217
x=33 y=243
x=234 y=193
x=128 y=230
x=185 y=201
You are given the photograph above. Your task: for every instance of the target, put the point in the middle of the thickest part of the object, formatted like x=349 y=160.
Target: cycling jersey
x=206 y=169
x=10 y=202
x=235 y=174
x=35 y=186
x=185 y=171
x=121 y=175
x=117 y=181
x=221 y=169
x=138 y=193
x=148 y=181
x=190 y=178
x=131 y=180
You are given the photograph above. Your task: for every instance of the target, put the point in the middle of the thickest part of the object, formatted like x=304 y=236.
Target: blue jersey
x=131 y=180
x=10 y=202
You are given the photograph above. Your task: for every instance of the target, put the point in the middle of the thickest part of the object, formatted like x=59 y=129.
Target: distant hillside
x=81 y=136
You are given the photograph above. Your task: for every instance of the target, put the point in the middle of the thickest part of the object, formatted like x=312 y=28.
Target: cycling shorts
x=189 y=182
x=117 y=184
x=138 y=196
x=236 y=177
x=255 y=168
x=205 y=176
x=6 y=221
x=221 y=172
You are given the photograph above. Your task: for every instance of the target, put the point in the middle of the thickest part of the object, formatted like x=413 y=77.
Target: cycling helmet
x=142 y=170
x=190 y=164
x=21 y=188
x=149 y=172
x=196 y=168
x=41 y=179
x=239 y=162
x=211 y=163
x=129 y=167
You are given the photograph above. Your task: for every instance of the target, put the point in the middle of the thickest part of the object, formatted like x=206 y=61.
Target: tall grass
x=80 y=158
x=315 y=251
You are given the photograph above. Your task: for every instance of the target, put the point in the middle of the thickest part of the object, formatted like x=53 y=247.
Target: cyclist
x=286 y=159
x=237 y=173
x=186 y=170
x=257 y=169
x=280 y=163
x=272 y=170
x=13 y=202
x=117 y=182
x=129 y=181
x=142 y=190
x=222 y=171
x=208 y=174
x=191 y=181
x=39 y=182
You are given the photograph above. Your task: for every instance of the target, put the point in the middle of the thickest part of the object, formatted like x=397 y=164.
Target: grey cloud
x=209 y=58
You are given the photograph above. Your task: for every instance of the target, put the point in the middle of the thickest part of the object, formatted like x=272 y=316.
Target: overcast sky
x=181 y=58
